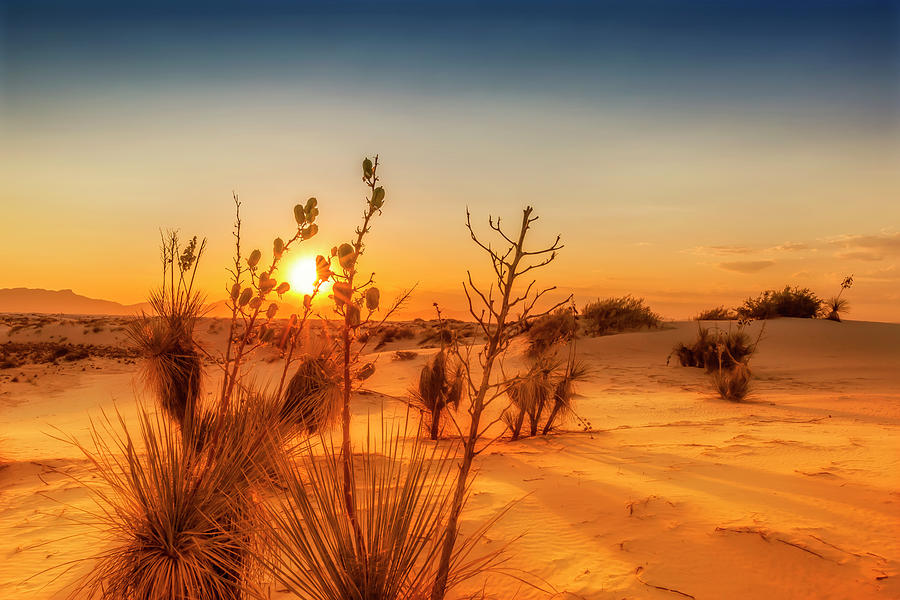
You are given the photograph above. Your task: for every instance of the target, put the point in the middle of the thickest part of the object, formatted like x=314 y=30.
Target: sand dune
x=674 y=494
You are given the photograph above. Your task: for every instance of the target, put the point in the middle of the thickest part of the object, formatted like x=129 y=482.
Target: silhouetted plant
x=312 y=397
x=789 y=302
x=618 y=314
x=836 y=305
x=719 y=313
x=704 y=354
x=496 y=322
x=172 y=365
x=402 y=493
x=438 y=391
x=552 y=329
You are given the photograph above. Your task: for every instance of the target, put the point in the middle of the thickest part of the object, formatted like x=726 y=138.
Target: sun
x=302 y=275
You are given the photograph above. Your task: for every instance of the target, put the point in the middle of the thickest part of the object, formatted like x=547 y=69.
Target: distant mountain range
x=30 y=300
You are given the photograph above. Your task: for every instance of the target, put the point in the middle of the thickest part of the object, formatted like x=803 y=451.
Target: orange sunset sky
x=692 y=163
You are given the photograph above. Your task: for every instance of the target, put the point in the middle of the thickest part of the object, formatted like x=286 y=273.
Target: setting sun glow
x=302 y=275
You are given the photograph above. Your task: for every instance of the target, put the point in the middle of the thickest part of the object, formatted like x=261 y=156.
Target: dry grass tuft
x=834 y=306
x=546 y=332
x=734 y=383
x=401 y=494
x=618 y=314
x=439 y=390
x=719 y=313
x=313 y=395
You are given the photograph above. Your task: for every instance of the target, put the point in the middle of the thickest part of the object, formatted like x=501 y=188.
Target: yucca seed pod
x=278 y=247
x=235 y=292
x=367 y=169
x=307 y=301
x=309 y=232
x=270 y=312
x=299 y=214
x=372 y=298
x=254 y=257
x=378 y=197
x=282 y=288
x=365 y=371
x=323 y=268
x=311 y=204
x=245 y=296
x=255 y=302
x=353 y=318
x=342 y=293
x=346 y=256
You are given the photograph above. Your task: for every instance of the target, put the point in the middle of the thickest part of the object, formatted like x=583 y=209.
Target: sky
x=691 y=153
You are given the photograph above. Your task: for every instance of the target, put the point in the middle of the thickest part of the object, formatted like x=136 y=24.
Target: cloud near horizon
x=746 y=266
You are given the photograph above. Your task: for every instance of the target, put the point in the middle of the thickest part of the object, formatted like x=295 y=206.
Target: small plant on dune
x=438 y=391
x=719 y=313
x=312 y=397
x=704 y=352
x=170 y=528
x=173 y=365
x=732 y=384
x=401 y=494
x=836 y=305
x=550 y=330
x=788 y=302
x=618 y=314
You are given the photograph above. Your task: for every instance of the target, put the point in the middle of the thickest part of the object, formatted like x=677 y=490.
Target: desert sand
x=673 y=493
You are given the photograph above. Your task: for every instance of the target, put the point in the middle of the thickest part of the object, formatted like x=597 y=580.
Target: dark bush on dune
x=618 y=314
x=557 y=327
x=789 y=302
x=719 y=313
x=313 y=394
x=704 y=352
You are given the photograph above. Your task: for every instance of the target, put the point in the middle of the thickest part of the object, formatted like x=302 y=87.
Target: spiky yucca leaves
x=400 y=491
x=167 y=510
x=530 y=394
x=563 y=395
x=732 y=383
x=704 y=353
x=312 y=397
x=834 y=306
x=438 y=391
x=172 y=367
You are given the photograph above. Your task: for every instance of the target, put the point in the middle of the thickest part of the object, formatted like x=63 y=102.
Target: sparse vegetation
x=788 y=302
x=836 y=305
x=550 y=330
x=618 y=314
x=704 y=354
x=719 y=313
x=439 y=390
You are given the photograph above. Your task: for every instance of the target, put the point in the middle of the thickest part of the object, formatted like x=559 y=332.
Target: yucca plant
x=313 y=394
x=171 y=526
x=173 y=367
x=438 y=391
x=732 y=383
x=563 y=396
x=529 y=395
x=401 y=494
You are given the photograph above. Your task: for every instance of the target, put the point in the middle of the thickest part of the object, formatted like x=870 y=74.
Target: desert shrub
x=403 y=492
x=618 y=314
x=312 y=397
x=440 y=335
x=789 y=302
x=405 y=355
x=833 y=307
x=392 y=333
x=719 y=313
x=439 y=390
x=550 y=330
x=703 y=353
x=544 y=395
x=732 y=383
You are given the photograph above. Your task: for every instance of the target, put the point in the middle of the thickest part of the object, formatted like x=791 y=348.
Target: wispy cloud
x=721 y=250
x=746 y=266
x=871 y=247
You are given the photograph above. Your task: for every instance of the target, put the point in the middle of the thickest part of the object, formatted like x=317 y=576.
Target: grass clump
x=732 y=384
x=551 y=329
x=788 y=302
x=719 y=313
x=313 y=394
x=618 y=314
x=834 y=306
x=438 y=391
x=703 y=353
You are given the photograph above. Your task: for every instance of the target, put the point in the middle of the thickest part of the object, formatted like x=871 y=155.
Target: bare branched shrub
x=496 y=321
x=617 y=314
